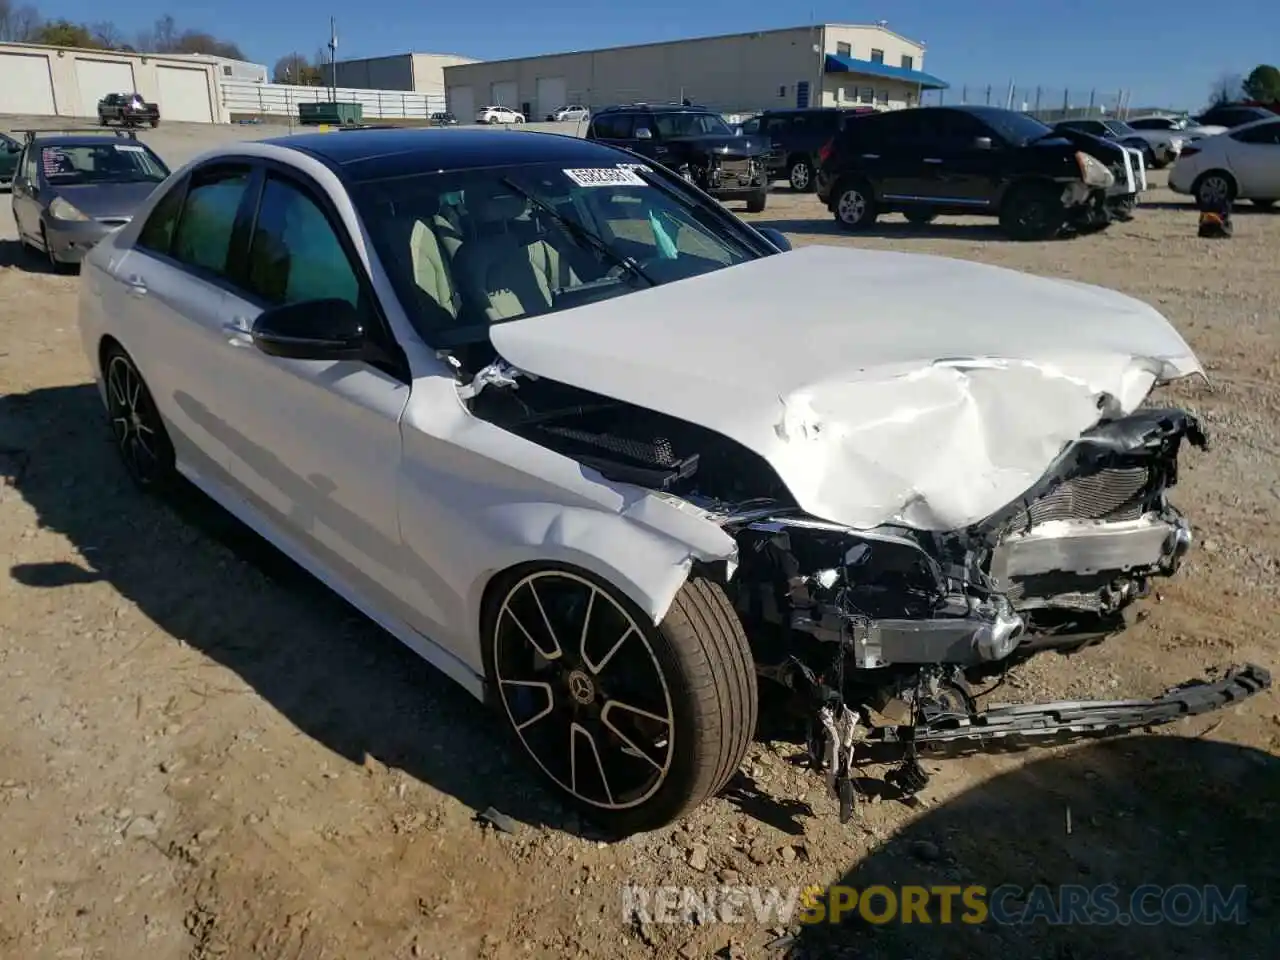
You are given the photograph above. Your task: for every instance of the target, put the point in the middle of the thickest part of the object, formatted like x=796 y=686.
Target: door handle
x=932 y=159
x=137 y=286
x=871 y=156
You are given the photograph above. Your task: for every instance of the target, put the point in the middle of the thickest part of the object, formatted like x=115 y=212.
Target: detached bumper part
x=1073 y=719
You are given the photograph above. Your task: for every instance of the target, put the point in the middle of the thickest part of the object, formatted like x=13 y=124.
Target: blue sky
x=1168 y=53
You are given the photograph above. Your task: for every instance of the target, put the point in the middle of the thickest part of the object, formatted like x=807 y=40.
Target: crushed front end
x=895 y=618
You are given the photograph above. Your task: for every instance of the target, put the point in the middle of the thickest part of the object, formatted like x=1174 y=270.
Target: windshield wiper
x=582 y=234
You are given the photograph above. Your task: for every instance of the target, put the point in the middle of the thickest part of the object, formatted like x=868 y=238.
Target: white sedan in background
x=498 y=115
x=1156 y=128
x=1241 y=164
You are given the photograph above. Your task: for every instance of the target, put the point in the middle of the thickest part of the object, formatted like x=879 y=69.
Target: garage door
x=97 y=78
x=27 y=87
x=506 y=94
x=184 y=95
x=462 y=103
x=552 y=94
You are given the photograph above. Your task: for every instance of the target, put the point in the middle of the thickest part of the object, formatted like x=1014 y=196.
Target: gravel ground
x=210 y=756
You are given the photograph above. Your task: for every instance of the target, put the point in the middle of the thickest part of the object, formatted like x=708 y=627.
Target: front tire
x=635 y=724
x=919 y=217
x=1264 y=204
x=1032 y=212
x=139 y=431
x=757 y=202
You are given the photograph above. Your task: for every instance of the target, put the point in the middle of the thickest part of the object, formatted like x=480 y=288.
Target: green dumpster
x=337 y=114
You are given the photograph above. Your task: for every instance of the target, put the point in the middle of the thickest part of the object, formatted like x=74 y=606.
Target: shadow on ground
x=14 y=254
x=1152 y=809
x=208 y=581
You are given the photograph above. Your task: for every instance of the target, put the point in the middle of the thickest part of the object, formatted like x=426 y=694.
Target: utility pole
x=333 y=60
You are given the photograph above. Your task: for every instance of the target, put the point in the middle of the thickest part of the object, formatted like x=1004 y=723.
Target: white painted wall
x=46 y=81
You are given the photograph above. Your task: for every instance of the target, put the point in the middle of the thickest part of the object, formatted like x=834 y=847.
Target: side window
x=294 y=254
x=1268 y=134
x=157 y=233
x=613 y=126
x=776 y=126
x=203 y=235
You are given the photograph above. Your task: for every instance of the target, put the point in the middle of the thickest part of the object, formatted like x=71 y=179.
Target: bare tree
x=106 y=35
x=1225 y=89
x=18 y=24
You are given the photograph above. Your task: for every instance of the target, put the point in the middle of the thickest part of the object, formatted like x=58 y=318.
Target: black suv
x=694 y=142
x=796 y=135
x=927 y=161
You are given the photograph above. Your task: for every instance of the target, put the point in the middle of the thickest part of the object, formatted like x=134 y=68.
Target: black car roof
x=375 y=154
x=655 y=108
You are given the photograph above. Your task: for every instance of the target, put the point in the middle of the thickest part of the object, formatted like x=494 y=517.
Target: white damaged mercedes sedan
x=607 y=455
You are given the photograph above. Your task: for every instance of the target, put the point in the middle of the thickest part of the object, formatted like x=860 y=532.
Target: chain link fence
x=1044 y=102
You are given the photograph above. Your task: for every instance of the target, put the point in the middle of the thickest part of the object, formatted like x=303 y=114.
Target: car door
x=171 y=286
x=26 y=213
x=968 y=174
x=1254 y=155
x=315 y=445
x=903 y=154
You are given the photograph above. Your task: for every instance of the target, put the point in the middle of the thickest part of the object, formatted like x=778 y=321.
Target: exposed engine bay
x=894 y=618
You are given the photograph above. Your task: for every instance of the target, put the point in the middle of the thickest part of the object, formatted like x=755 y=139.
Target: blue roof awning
x=925 y=81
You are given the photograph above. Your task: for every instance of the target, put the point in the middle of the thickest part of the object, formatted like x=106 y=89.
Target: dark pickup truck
x=128 y=110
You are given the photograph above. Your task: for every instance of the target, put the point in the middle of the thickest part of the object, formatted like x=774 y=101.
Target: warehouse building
x=43 y=81
x=829 y=64
x=416 y=72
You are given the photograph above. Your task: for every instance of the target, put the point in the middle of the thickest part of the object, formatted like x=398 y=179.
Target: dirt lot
x=206 y=755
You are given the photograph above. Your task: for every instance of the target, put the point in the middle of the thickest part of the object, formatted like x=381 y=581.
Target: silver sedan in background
x=71 y=189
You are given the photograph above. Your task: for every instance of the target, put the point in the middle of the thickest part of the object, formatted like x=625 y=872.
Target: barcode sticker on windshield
x=605 y=177
x=636 y=166
x=129 y=148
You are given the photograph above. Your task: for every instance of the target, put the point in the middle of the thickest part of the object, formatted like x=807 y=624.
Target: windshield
x=77 y=164
x=1016 y=128
x=470 y=248
x=1119 y=128
x=690 y=124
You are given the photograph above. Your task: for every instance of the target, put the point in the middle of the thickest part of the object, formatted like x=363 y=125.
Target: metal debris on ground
x=496 y=819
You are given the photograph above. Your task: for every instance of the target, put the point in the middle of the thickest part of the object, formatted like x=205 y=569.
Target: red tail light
x=826 y=150
x=1189 y=151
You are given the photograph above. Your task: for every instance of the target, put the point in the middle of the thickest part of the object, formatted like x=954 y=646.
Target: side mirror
x=311 y=330
x=982 y=143
x=775 y=237
x=644 y=133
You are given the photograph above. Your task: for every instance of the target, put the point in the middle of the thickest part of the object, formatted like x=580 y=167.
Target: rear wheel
x=1032 y=212
x=141 y=439
x=155 y=122
x=919 y=216
x=757 y=202
x=854 y=204
x=635 y=724
x=1213 y=189
x=801 y=175
x=1264 y=204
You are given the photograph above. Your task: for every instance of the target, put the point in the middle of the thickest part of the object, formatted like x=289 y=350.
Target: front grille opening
x=1116 y=493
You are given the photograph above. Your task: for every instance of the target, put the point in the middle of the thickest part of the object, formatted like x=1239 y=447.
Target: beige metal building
x=829 y=64
x=44 y=81
x=417 y=72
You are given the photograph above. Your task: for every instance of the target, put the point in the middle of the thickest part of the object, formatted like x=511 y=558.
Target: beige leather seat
x=501 y=273
x=430 y=268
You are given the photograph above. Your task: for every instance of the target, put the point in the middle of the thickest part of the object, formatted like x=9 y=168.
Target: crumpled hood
x=882 y=387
